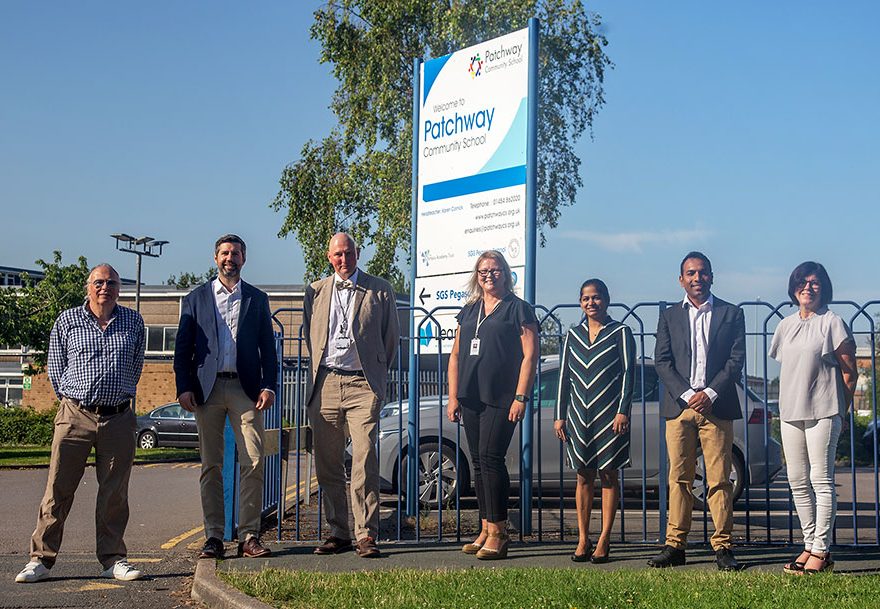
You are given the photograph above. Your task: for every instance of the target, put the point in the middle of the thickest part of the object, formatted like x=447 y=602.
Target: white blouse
x=810 y=382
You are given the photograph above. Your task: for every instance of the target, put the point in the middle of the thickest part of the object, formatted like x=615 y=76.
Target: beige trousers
x=228 y=398
x=715 y=436
x=341 y=405
x=76 y=433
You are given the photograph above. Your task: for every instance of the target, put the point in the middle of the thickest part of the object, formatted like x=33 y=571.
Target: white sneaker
x=34 y=571
x=123 y=571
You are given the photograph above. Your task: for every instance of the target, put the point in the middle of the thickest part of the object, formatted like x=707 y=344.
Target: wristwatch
x=521 y=398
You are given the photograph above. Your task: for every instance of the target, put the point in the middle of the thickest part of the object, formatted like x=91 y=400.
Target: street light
x=140 y=247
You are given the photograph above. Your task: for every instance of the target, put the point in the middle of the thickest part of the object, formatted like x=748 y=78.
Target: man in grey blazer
x=351 y=330
x=699 y=358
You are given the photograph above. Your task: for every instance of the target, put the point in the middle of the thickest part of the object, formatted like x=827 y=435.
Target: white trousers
x=809 y=448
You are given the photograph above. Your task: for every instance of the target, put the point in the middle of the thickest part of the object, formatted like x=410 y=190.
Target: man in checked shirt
x=96 y=353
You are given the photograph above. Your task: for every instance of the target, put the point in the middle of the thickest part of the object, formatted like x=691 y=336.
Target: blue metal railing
x=765 y=513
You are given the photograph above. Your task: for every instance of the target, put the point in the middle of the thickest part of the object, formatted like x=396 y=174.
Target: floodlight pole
x=148 y=247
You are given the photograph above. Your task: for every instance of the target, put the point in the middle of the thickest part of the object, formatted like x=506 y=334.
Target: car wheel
x=737 y=476
x=438 y=475
x=147 y=440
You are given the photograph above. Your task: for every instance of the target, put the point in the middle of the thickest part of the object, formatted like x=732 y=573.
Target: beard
x=230 y=271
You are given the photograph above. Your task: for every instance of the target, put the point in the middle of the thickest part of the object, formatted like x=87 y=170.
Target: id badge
x=475 y=346
x=343 y=343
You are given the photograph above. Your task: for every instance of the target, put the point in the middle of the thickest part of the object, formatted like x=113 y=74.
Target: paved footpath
x=164 y=525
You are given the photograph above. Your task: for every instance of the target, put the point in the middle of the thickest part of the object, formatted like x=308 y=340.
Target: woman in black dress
x=592 y=411
x=491 y=371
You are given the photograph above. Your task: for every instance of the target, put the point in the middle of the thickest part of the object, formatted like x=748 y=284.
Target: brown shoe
x=367 y=548
x=252 y=548
x=334 y=545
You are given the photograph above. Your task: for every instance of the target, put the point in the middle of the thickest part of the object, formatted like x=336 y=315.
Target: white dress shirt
x=228 y=309
x=700 y=318
x=339 y=324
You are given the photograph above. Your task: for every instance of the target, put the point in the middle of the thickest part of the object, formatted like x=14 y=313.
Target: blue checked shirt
x=97 y=367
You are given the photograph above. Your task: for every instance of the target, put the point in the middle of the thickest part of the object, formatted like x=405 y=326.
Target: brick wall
x=156 y=388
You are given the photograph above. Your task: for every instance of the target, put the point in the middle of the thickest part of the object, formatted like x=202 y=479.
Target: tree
x=358 y=177
x=188 y=280
x=29 y=312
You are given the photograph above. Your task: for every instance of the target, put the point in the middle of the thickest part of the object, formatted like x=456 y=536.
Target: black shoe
x=725 y=559
x=213 y=548
x=668 y=557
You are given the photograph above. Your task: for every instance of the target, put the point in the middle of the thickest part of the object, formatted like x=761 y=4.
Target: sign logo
x=426 y=257
x=476 y=67
x=426 y=334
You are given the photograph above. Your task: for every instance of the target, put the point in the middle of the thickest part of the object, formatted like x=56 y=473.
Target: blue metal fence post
x=412 y=470
x=525 y=484
x=663 y=475
x=230 y=484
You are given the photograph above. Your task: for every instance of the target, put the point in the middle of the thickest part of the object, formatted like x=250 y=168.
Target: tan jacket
x=375 y=327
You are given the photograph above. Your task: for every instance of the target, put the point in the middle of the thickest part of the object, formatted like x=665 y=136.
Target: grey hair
x=102 y=265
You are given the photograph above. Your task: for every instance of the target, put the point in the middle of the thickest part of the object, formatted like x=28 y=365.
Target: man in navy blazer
x=699 y=358
x=225 y=364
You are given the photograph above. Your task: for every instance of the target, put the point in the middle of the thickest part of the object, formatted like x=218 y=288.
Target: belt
x=227 y=375
x=342 y=372
x=101 y=409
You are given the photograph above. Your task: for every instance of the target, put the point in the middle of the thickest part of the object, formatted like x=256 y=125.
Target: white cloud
x=633 y=242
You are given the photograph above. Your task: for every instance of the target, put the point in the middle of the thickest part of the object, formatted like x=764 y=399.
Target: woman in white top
x=816 y=382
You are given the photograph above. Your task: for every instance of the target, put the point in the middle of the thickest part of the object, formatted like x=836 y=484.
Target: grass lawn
x=29 y=456
x=555 y=588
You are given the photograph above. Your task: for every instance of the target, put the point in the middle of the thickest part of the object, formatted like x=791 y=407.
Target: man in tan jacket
x=352 y=332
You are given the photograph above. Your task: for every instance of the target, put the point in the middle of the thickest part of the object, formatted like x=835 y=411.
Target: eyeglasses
x=110 y=283
x=486 y=272
x=813 y=285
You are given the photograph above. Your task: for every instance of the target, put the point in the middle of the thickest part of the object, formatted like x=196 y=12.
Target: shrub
x=26 y=426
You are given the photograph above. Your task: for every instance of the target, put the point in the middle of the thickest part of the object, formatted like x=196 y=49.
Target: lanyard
x=343 y=312
x=481 y=319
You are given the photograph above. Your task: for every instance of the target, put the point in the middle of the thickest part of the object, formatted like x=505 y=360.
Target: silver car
x=442 y=467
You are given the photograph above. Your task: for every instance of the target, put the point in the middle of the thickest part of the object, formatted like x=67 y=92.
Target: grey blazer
x=727 y=352
x=375 y=327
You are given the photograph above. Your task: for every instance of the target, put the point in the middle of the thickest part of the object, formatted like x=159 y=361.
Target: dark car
x=168 y=425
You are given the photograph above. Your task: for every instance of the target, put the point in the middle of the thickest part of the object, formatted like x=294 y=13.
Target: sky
x=747 y=130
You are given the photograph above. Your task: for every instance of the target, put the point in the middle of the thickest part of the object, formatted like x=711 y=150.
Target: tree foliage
x=187 y=280
x=358 y=179
x=28 y=312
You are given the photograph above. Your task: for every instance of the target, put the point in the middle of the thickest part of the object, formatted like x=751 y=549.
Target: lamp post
x=140 y=247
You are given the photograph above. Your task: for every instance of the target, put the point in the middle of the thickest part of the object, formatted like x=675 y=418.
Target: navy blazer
x=724 y=361
x=196 y=350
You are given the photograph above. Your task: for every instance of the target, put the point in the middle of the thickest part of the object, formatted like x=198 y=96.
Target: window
x=549 y=386
x=171 y=412
x=161 y=338
x=651 y=384
x=10 y=391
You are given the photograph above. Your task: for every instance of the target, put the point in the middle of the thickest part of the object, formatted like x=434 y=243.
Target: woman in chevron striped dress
x=592 y=411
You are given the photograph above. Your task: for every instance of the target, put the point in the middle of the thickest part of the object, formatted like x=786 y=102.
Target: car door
x=644 y=417
x=168 y=424
x=189 y=433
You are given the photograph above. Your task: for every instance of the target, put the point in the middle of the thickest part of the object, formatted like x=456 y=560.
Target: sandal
x=827 y=564
x=796 y=567
x=472 y=548
x=492 y=554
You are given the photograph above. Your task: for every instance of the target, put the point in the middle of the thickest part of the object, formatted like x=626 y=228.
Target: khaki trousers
x=229 y=399
x=340 y=404
x=715 y=436
x=76 y=433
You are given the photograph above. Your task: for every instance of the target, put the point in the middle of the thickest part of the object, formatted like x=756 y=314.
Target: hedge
x=26 y=426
